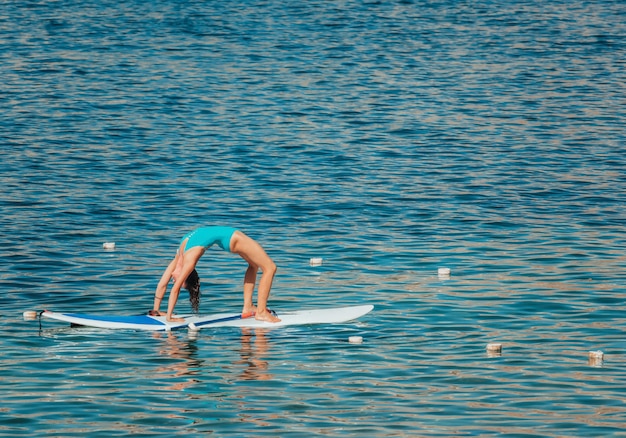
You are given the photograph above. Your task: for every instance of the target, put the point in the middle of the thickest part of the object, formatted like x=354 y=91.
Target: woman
x=182 y=270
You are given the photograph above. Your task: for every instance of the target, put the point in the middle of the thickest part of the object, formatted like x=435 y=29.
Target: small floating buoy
x=355 y=339
x=193 y=334
x=494 y=349
x=443 y=271
x=192 y=327
x=596 y=358
x=108 y=245
x=316 y=261
x=30 y=314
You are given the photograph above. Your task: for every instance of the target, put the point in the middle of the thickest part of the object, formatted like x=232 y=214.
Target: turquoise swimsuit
x=209 y=236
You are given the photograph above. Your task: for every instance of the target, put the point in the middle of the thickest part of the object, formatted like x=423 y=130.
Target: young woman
x=182 y=270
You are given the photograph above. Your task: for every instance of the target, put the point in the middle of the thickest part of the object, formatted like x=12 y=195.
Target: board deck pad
x=158 y=323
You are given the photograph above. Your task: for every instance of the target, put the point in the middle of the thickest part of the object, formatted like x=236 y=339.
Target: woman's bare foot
x=265 y=315
x=173 y=319
x=248 y=312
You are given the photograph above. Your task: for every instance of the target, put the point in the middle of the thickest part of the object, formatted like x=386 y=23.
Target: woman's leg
x=257 y=259
x=248 y=289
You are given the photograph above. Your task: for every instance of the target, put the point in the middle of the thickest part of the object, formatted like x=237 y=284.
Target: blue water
x=388 y=138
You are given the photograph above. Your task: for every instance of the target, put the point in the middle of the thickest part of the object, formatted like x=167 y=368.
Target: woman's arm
x=162 y=286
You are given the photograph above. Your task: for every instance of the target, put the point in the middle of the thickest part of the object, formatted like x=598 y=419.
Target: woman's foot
x=265 y=315
x=248 y=312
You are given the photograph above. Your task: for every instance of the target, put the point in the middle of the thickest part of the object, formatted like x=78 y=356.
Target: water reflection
x=186 y=361
x=254 y=347
x=248 y=364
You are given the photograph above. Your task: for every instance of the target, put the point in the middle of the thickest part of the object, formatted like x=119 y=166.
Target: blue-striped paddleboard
x=158 y=323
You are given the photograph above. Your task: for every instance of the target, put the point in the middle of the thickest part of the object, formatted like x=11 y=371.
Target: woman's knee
x=269 y=267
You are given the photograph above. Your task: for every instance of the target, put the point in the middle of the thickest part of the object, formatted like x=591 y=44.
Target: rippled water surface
x=388 y=138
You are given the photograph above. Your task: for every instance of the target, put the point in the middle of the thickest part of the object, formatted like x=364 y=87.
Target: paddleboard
x=158 y=323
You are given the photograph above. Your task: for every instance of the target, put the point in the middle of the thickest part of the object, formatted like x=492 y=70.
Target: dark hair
x=193 y=286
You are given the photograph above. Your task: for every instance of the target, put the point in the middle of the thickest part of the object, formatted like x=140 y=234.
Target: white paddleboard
x=158 y=323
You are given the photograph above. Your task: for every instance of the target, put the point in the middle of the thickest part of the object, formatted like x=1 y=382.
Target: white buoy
x=30 y=314
x=192 y=334
x=192 y=327
x=355 y=339
x=108 y=245
x=443 y=273
x=596 y=358
x=316 y=261
x=494 y=349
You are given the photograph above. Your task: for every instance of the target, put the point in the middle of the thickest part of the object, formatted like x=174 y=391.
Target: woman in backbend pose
x=182 y=269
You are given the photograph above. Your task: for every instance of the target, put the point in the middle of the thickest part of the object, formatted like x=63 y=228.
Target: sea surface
x=389 y=138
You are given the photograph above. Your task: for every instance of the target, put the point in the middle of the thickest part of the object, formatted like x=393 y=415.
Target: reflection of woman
x=186 y=363
x=182 y=269
x=252 y=355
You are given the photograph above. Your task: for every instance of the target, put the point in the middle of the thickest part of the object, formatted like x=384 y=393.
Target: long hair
x=193 y=286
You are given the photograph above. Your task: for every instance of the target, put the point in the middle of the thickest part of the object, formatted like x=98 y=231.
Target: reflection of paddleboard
x=145 y=322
